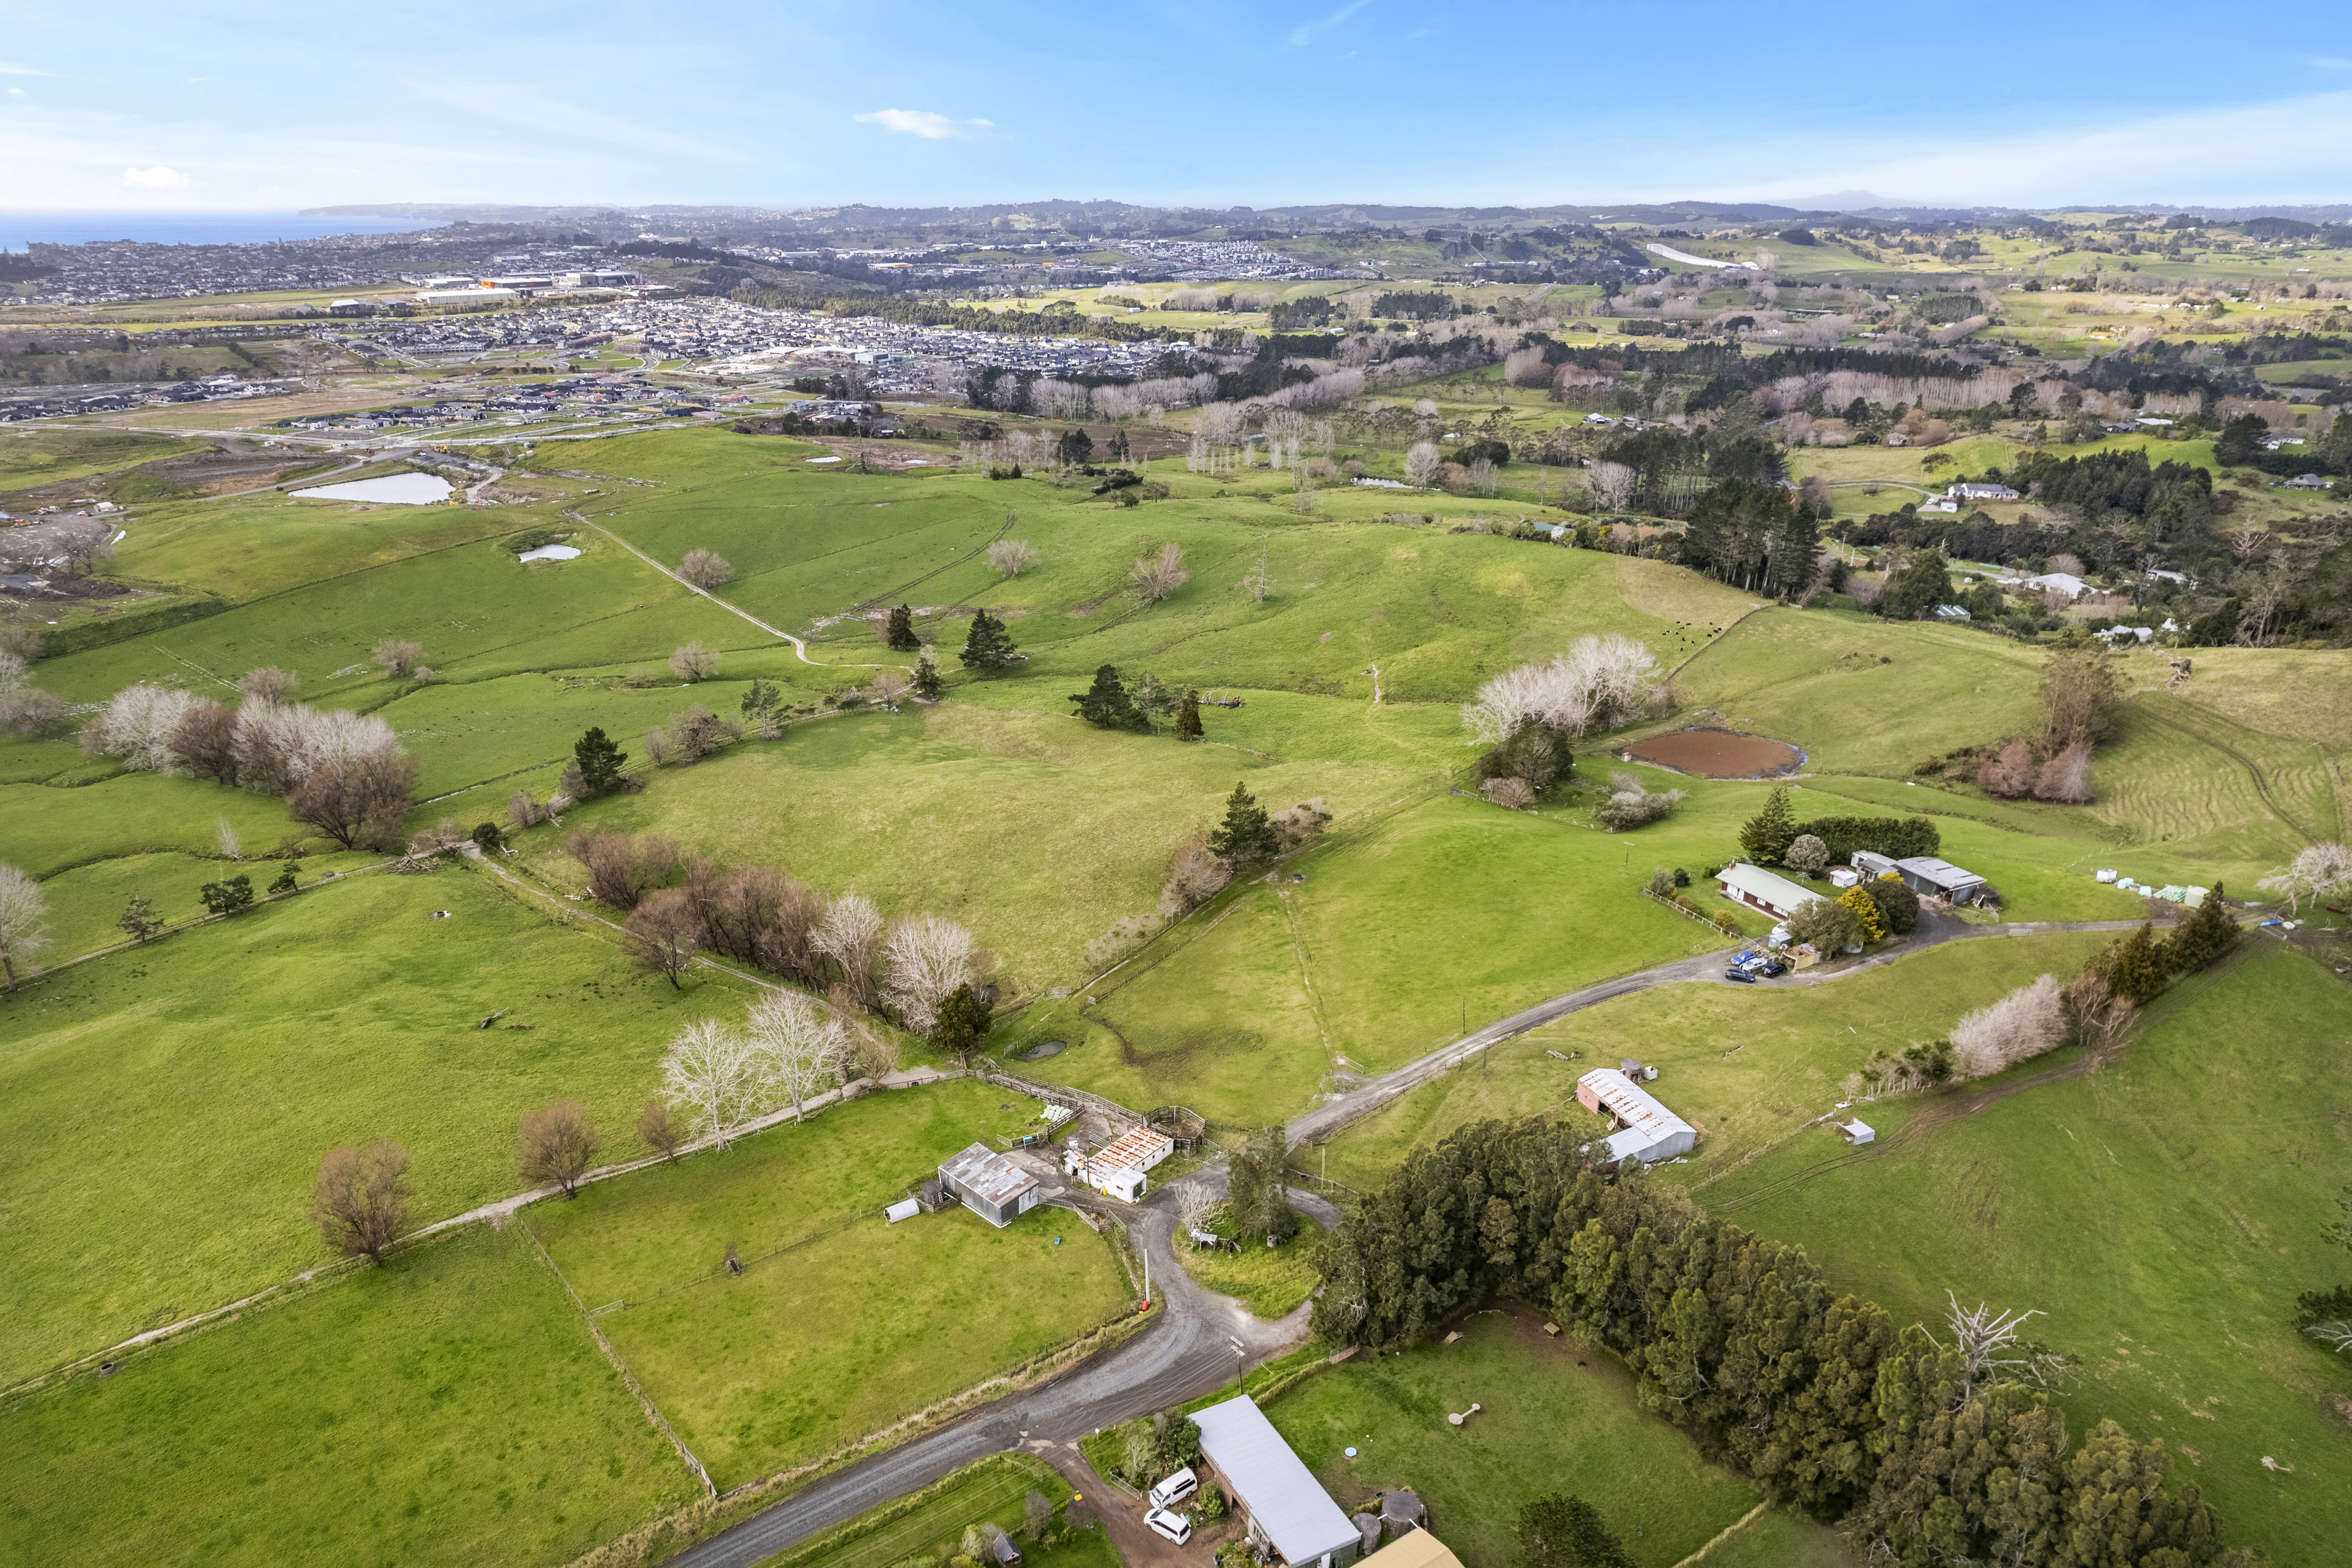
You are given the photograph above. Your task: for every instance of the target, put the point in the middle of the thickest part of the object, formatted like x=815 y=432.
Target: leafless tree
x=361 y=1205
x=1036 y=1513
x=801 y=1044
x=1421 y=460
x=2067 y=776
x=2027 y=1021
x=29 y=710
x=694 y=662
x=1154 y=577
x=1510 y=794
x=225 y=837
x=268 y=684
x=2096 y=1012
x=711 y=1074
x=1195 y=875
x=1483 y=477
x=1613 y=484
x=1600 y=682
x=660 y=1134
x=2318 y=872
x=2265 y=593
x=622 y=870
x=24 y=924
x=2010 y=773
x=1257 y=582
x=1012 y=557
x=279 y=745
x=851 y=935
x=137 y=725
x=696 y=732
x=1993 y=1352
x=663 y=935
x=357 y=803
x=888 y=686
x=524 y=811
x=556 y=1145
x=925 y=958
x=205 y=744
x=2333 y=1332
x=705 y=568
x=2248 y=539
x=397 y=658
x=442 y=838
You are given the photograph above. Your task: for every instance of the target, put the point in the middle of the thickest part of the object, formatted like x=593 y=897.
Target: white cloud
x=7 y=69
x=922 y=122
x=16 y=92
x=158 y=178
x=1305 y=33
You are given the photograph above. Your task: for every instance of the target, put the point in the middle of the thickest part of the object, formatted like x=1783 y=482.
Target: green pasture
x=1551 y=1419
x=248 y=547
x=168 y=1106
x=2164 y=1212
x=930 y=1524
x=1745 y=1066
x=447 y=1408
x=53 y=454
x=86 y=902
x=841 y=1322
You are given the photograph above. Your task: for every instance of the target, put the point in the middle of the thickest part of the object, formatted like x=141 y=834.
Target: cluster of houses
x=1925 y=875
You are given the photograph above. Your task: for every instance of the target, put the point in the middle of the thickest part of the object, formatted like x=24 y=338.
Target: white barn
x=1651 y=1131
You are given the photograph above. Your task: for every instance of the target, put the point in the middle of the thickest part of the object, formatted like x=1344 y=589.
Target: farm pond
x=1720 y=754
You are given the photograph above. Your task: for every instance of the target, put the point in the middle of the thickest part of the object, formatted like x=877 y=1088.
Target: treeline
x=1754 y=535
x=1934 y=1449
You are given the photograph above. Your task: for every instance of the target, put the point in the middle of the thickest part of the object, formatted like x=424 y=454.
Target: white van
x=1175 y=1489
x=1174 y=1526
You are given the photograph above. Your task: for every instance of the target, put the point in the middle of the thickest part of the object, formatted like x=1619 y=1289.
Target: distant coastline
x=17 y=228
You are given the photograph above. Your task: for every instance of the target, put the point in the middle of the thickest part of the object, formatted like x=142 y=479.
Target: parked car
x=1770 y=968
x=1175 y=1527
x=1734 y=972
x=1175 y=1489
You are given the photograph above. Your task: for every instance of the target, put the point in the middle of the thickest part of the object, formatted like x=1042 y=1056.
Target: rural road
x=1187 y=1352
x=1191 y=1351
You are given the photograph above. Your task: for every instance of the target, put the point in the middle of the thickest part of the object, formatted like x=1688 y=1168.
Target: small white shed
x=1858 y=1132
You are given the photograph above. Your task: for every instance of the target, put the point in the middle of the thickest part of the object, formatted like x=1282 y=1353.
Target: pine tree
x=1765 y=836
x=926 y=677
x=1188 y=717
x=2204 y=936
x=1106 y=705
x=962 y=1028
x=2137 y=969
x=902 y=636
x=987 y=648
x=599 y=760
x=1245 y=834
x=1563 y=1531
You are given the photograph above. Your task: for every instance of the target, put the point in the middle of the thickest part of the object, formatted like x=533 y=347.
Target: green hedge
x=122 y=628
x=1899 y=838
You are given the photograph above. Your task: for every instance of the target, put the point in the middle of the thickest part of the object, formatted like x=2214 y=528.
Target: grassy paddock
x=858 y=1322
x=1270 y=1281
x=447 y=1408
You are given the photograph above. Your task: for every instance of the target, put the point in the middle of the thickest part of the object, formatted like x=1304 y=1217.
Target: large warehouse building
x=1650 y=1133
x=1286 y=1510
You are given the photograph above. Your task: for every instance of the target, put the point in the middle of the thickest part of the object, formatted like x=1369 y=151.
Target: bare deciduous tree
x=705 y=568
x=1012 y=557
x=711 y=1074
x=268 y=684
x=1195 y=875
x=2067 y=776
x=801 y=1044
x=1421 y=460
x=1599 y=682
x=664 y=934
x=1509 y=793
x=2027 y=1021
x=660 y=1134
x=925 y=958
x=358 y=803
x=2317 y=872
x=395 y=656
x=622 y=870
x=24 y=924
x=556 y=1145
x=205 y=742
x=524 y=810
x=694 y=662
x=2010 y=773
x=2093 y=1007
x=1256 y=583
x=1154 y=577
x=1993 y=1352
x=361 y=1205
x=1613 y=484
x=851 y=935
x=29 y=710
x=137 y=725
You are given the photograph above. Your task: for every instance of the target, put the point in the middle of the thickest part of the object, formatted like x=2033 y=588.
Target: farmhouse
x=1651 y=1132
x=1761 y=890
x=1981 y=492
x=1926 y=876
x=1116 y=1170
x=987 y=1182
x=1284 y=1510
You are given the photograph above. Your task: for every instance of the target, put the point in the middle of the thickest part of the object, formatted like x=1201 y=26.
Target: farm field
x=447 y=1408
x=2164 y=1212
x=169 y=1105
x=994 y=1491
x=840 y=1323
x=1270 y=1281
x=1549 y=1422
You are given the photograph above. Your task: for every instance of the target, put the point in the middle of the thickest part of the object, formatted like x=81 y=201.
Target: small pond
x=397 y=490
x=1050 y=1049
x=1720 y=754
x=549 y=553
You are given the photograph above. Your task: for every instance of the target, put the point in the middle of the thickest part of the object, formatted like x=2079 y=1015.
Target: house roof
x=1650 y=1121
x=1132 y=1148
x=1777 y=891
x=985 y=1173
x=1413 y=1549
x=1281 y=1494
x=1943 y=873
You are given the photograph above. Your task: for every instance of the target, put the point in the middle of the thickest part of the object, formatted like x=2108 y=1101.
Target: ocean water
x=191 y=227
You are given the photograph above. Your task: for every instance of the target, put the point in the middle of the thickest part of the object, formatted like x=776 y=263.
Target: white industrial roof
x=1281 y=1494
x=1943 y=873
x=1632 y=1104
x=1777 y=891
x=985 y=1173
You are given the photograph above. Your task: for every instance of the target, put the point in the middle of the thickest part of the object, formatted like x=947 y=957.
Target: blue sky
x=236 y=105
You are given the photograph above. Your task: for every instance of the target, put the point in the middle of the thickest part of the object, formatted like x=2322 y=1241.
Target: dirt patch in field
x=1720 y=754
